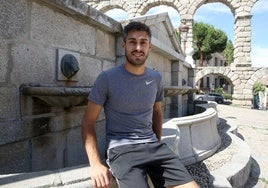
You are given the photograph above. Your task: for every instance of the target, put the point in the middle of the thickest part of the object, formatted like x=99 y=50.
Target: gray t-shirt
x=128 y=102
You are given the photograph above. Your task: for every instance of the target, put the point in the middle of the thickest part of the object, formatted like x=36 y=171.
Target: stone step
x=235 y=172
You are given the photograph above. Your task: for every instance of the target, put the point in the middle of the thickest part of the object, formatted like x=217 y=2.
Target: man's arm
x=157 y=120
x=99 y=173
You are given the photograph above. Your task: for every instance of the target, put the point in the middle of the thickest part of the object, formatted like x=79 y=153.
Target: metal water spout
x=69 y=65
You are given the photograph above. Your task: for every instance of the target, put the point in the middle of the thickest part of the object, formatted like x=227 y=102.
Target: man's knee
x=191 y=184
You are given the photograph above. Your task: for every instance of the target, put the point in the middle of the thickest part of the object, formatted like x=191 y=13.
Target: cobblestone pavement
x=253 y=129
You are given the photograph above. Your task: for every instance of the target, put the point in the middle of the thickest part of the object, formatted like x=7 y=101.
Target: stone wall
x=33 y=134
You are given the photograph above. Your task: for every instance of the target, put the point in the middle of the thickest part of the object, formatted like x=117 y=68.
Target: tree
x=257 y=87
x=207 y=40
x=229 y=53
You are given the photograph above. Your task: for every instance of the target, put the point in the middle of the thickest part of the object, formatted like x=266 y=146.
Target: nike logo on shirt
x=149 y=82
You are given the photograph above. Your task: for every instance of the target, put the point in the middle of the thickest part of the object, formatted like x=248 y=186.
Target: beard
x=136 y=61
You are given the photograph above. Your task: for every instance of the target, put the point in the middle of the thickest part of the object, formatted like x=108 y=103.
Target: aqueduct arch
x=241 y=74
x=240 y=9
x=227 y=73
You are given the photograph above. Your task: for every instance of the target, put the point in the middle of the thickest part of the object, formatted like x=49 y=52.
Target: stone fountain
x=40 y=122
x=57 y=96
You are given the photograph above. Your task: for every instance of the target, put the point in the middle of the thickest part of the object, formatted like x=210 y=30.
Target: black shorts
x=131 y=163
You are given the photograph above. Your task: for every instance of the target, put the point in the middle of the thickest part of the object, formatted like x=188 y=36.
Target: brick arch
x=198 y=3
x=226 y=72
x=185 y=9
x=100 y=5
x=145 y=6
x=105 y=6
x=110 y=7
x=258 y=75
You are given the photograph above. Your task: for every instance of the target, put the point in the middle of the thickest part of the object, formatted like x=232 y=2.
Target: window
x=207 y=82
x=216 y=61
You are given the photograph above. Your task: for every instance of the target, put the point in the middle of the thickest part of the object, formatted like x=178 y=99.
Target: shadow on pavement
x=254 y=174
x=199 y=170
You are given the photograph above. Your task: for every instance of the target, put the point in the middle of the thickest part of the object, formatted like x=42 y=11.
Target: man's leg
x=135 y=178
x=127 y=165
x=166 y=169
x=191 y=184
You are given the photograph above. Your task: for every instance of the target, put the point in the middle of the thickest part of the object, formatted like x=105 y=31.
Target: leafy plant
x=207 y=40
x=229 y=53
x=258 y=87
x=219 y=90
x=227 y=96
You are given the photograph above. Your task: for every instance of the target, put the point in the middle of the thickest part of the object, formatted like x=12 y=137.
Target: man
x=131 y=95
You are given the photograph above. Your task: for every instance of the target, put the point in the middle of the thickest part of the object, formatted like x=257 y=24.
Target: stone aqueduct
x=241 y=75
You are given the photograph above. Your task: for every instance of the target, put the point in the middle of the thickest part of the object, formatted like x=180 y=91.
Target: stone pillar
x=187 y=42
x=174 y=106
x=190 y=101
x=242 y=45
x=183 y=29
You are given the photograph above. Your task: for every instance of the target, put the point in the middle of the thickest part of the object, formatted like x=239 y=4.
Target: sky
x=220 y=16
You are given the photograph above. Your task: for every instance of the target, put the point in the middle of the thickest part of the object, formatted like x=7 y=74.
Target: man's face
x=137 y=47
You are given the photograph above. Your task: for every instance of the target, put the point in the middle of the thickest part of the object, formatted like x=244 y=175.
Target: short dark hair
x=136 y=26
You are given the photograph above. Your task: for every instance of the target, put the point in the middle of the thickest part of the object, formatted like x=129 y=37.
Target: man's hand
x=101 y=176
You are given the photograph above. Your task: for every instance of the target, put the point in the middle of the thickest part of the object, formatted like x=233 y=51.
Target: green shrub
x=219 y=90
x=227 y=96
x=258 y=87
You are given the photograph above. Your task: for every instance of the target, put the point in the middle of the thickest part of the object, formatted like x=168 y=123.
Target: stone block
x=63 y=121
x=119 y=49
x=160 y=64
x=166 y=77
x=202 y=137
x=56 y=29
x=170 y=136
x=90 y=68
x=76 y=153
x=108 y=64
x=174 y=79
x=48 y=151
x=185 y=145
x=234 y=77
x=175 y=66
x=4 y=58
x=34 y=179
x=105 y=46
x=247 y=91
x=15 y=157
x=13 y=22
x=161 y=34
x=9 y=103
x=33 y=64
x=70 y=175
x=12 y=131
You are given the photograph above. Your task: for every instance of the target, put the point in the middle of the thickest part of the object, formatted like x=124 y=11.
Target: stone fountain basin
x=69 y=96
x=178 y=90
x=57 y=96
